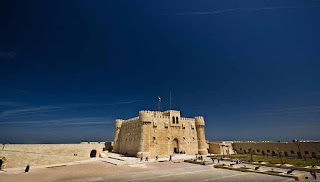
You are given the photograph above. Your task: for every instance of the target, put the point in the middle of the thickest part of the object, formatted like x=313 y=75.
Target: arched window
x=173 y=120
x=177 y=120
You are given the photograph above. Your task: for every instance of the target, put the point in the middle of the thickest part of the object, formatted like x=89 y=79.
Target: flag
x=159 y=99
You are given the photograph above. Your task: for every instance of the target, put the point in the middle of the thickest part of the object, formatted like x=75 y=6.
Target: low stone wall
x=20 y=155
x=290 y=149
x=221 y=148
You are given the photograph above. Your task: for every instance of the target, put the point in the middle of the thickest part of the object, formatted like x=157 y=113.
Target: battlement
x=199 y=120
x=186 y=119
x=158 y=112
x=131 y=119
x=146 y=111
x=147 y=115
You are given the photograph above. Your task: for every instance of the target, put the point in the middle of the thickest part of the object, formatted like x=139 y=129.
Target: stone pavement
x=118 y=159
x=185 y=173
x=115 y=167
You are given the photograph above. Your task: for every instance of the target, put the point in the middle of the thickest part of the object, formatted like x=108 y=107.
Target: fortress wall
x=214 y=147
x=291 y=149
x=190 y=143
x=164 y=137
x=223 y=148
x=129 y=137
x=20 y=155
x=158 y=136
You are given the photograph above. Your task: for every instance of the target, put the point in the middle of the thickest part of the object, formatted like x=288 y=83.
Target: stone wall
x=223 y=148
x=129 y=140
x=291 y=149
x=20 y=155
x=214 y=148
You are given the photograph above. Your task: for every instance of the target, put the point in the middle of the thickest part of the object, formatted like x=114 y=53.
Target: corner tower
x=202 y=144
x=117 y=128
x=145 y=120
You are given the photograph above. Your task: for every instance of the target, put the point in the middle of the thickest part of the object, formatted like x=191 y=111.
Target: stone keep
x=155 y=133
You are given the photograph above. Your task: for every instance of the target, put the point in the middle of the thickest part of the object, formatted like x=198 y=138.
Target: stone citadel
x=151 y=134
x=155 y=133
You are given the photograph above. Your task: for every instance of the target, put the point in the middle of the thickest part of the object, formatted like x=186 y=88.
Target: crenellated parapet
x=118 y=124
x=130 y=120
x=145 y=116
x=199 y=121
x=187 y=119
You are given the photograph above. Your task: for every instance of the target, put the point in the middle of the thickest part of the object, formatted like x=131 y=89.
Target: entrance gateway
x=175 y=146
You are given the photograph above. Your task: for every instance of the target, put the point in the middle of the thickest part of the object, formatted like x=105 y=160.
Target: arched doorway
x=299 y=155
x=93 y=153
x=1 y=164
x=175 y=146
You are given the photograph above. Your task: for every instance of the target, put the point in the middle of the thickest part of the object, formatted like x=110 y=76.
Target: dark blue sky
x=68 y=69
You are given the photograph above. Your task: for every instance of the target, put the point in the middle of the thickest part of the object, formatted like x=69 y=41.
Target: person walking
x=147 y=158
x=314 y=175
x=170 y=158
x=212 y=160
x=141 y=158
x=156 y=157
x=27 y=169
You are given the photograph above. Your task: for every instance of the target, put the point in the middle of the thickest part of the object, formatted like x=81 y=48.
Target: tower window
x=173 y=120
x=177 y=120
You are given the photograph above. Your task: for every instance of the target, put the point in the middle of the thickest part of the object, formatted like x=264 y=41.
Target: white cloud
x=41 y=109
x=69 y=121
x=235 y=9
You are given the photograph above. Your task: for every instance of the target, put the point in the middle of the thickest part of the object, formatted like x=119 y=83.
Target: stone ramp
x=118 y=159
x=112 y=161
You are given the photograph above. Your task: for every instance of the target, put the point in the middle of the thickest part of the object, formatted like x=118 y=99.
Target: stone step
x=113 y=161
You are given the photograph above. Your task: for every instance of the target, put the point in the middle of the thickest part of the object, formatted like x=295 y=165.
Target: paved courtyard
x=99 y=170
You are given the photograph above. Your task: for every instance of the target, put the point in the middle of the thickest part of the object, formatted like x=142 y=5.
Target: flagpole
x=170 y=101
x=159 y=100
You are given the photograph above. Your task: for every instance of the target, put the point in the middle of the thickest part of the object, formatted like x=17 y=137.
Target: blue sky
x=68 y=69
